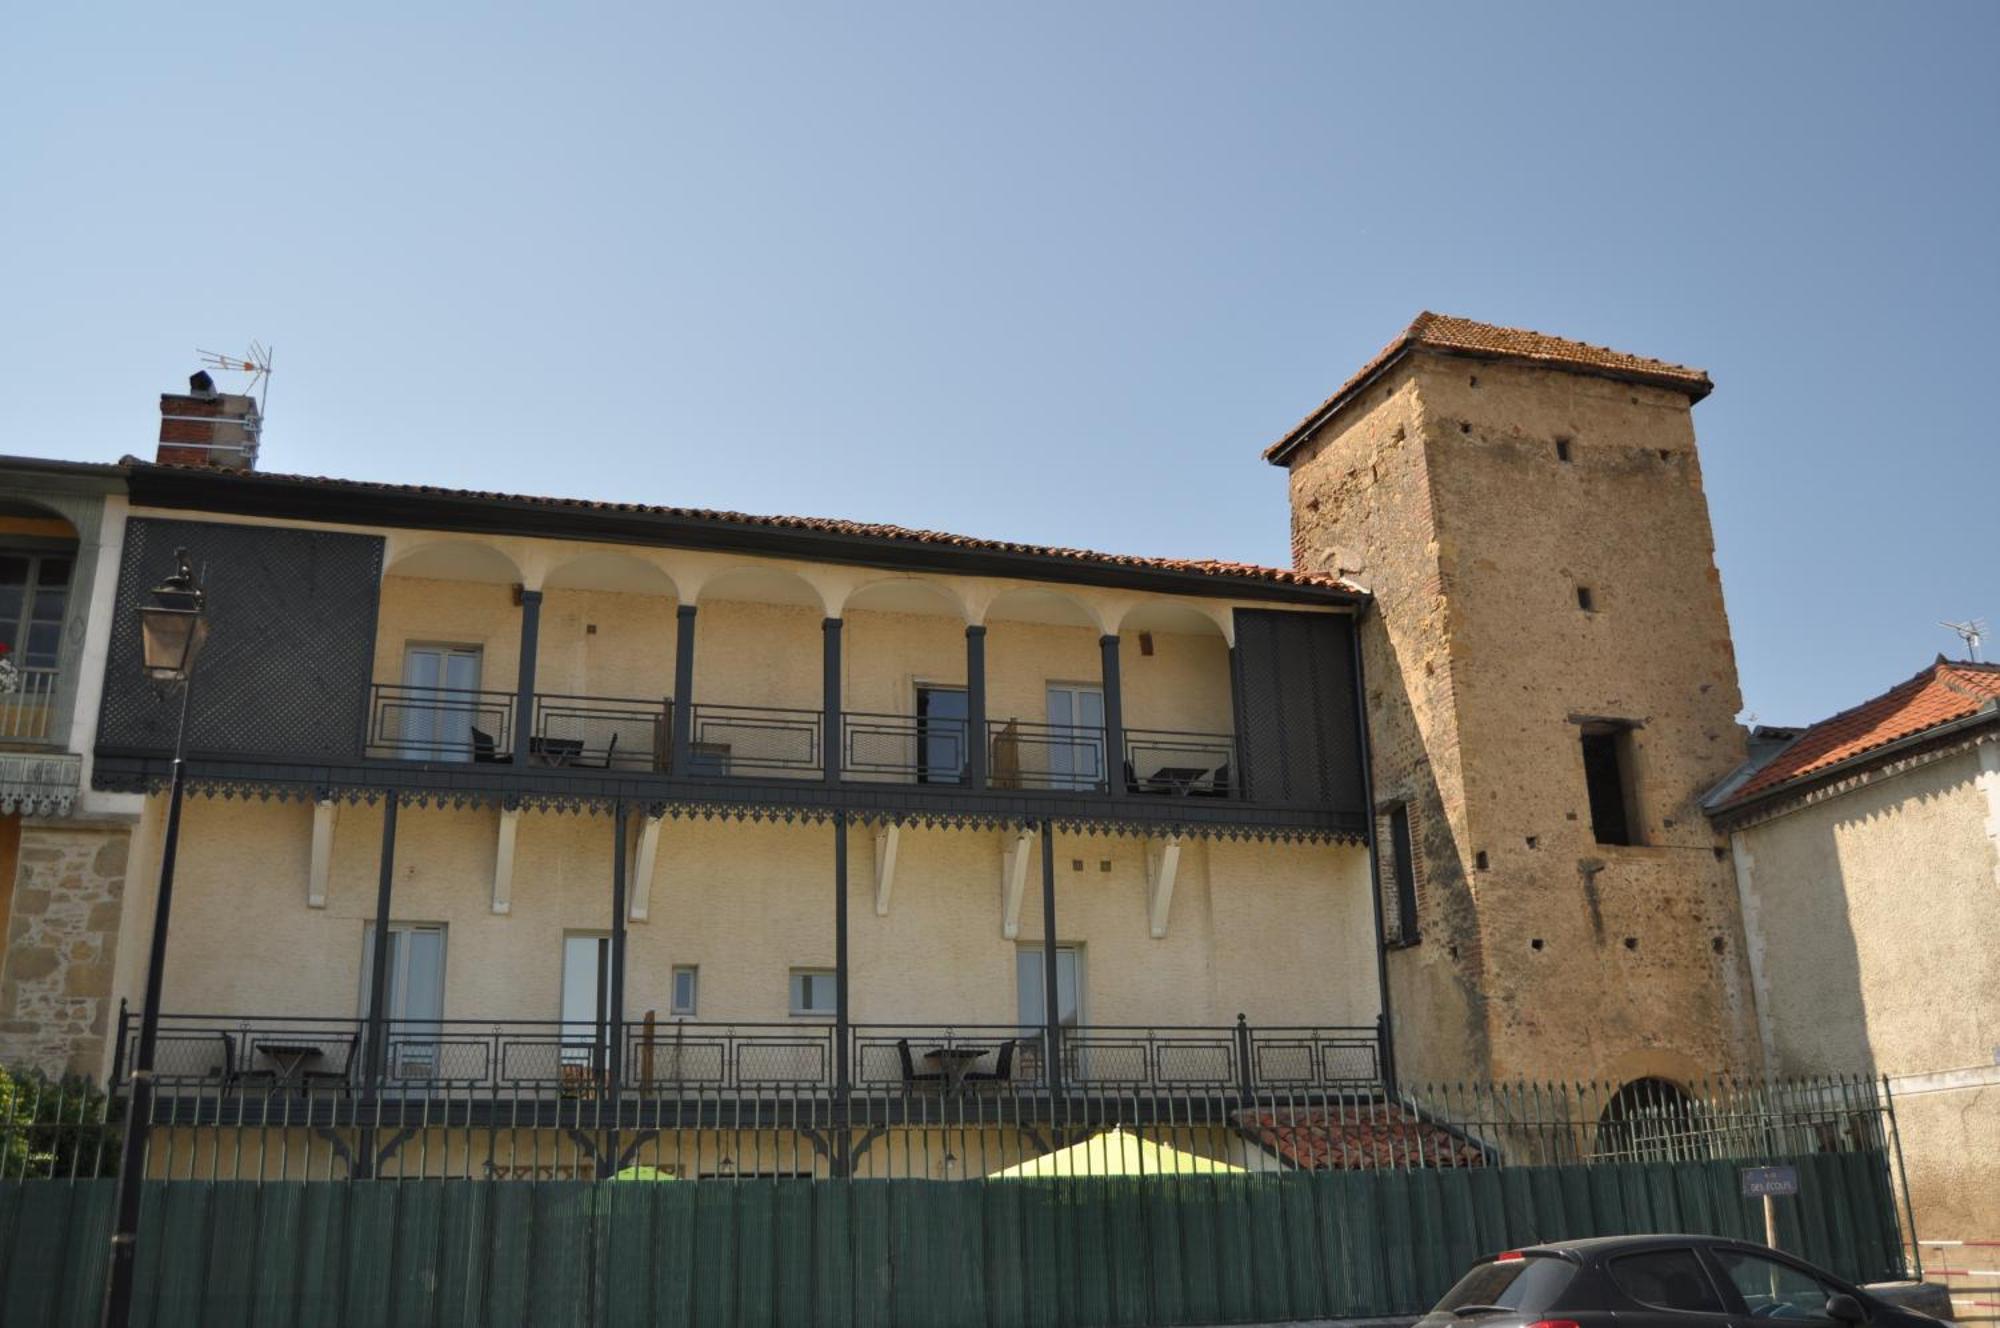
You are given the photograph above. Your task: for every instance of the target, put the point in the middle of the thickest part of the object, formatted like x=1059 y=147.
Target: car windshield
x=1525 y=1284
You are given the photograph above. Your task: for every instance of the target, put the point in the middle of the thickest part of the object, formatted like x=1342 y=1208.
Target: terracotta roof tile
x=1465 y=336
x=1219 y=568
x=1945 y=691
x=1365 y=1136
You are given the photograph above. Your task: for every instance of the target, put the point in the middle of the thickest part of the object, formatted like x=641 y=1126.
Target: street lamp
x=172 y=628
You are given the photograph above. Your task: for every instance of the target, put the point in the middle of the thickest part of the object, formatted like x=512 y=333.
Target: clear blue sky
x=1046 y=273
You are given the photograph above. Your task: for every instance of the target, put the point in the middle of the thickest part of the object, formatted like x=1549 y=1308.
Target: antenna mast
x=1972 y=631
x=257 y=364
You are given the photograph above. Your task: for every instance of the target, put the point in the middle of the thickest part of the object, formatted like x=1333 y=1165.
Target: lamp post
x=172 y=629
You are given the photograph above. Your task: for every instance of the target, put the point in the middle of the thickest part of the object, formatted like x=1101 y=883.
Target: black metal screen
x=291 y=641
x=1295 y=716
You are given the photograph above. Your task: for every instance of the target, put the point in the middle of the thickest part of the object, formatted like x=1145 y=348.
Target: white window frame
x=674 y=1007
x=1062 y=947
x=792 y=989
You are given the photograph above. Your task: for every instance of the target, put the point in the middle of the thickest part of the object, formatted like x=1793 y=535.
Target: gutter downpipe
x=1386 y=1032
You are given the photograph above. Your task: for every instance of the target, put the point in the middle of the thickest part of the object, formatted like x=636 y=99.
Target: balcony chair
x=486 y=751
x=1217 y=785
x=911 y=1075
x=610 y=750
x=339 y=1077
x=1002 y=1071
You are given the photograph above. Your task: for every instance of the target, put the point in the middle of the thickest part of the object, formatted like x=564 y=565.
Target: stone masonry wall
x=55 y=985
x=1544 y=953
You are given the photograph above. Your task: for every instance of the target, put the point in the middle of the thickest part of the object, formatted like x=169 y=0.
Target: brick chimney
x=204 y=427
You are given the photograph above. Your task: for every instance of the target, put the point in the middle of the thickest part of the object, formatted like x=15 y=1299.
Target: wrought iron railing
x=754 y=740
x=27 y=705
x=1063 y=757
x=619 y=733
x=440 y=724
x=1168 y=763
x=916 y=749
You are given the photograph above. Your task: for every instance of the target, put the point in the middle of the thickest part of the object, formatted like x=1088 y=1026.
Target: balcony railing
x=1169 y=763
x=754 y=740
x=618 y=733
x=528 y=1059
x=440 y=723
x=27 y=708
x=910 y=749
x=1065 y=757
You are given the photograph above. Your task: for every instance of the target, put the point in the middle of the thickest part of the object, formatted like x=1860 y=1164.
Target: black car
x=1658 y=1282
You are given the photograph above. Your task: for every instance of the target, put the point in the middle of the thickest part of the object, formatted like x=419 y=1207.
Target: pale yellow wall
x=629 y=655
x=1872 y=917
x=1279 y=932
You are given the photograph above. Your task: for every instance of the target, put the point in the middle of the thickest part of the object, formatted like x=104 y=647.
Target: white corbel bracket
x=1014 y=879
x=1163 y=864
x=325 y=812
x=886 y=839
x=503 y=859
x=640 y=900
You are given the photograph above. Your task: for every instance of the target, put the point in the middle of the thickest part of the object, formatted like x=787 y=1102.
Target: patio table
x=291 y=1058
x=954 y=1063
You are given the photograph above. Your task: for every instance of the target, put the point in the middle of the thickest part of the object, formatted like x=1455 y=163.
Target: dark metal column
x=842 y=1072
x=830 y=700
x=683 y=689
x=524 y=695
x=1385 y=1029
x=975 y=706
x=1051 y=989
x=615 y=1023
x=1114 y=717
x=376 y=1039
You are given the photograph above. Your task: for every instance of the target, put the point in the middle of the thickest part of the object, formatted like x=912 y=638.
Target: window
x=1585 y=600
x=34 y=592
x=437 y=716
x=1033 y=986
x=586 y=1000
x=941 y=735
x=1526 y=1285
x=414 y=1000
x=1076 y=738
x=1773 y=1290
x=1607 y=773
x=1403 y=877
x=813 y=992
x=1668 y=1280
x=686 y=988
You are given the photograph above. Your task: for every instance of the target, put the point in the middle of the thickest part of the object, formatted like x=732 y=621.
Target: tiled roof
x=1219 y=568
x=1365 y=1136
x=1466 y=337
x=1946 y=691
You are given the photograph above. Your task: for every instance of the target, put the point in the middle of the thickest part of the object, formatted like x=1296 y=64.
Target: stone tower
x=1551 y=688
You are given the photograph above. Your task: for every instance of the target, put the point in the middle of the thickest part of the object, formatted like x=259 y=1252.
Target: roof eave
x=1986 y=714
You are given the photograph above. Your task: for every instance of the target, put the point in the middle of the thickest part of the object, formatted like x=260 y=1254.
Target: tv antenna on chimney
x=257 y=364
x=1973 y=631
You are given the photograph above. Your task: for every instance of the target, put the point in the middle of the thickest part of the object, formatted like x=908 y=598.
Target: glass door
x=436 y=717
x=414 y=1001
x=586 y=1002
x=1033 y=998
x=941 y=735
x=1076 y=737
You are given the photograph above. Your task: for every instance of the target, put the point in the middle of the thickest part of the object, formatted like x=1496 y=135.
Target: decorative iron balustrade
x=754 y=740
x=912 y=749
x=440 y=724
x=1059 y=757
x=27 y=704
x=617 y=733
x=1169 y=763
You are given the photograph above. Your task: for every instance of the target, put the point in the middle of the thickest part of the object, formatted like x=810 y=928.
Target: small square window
x=1585 y=600
x=686 y=988
x=1609 y=772
x=813 y=992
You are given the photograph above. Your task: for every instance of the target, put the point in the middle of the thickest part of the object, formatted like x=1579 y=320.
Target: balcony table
x=291 y=1058
x=1174 y=780
x=554 y=751
x=954 y=1063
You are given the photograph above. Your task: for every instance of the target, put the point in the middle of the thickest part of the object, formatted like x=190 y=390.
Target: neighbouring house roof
x=1367 y=1136
x=1464 y=336
x=1948 y=692
x=407 y=504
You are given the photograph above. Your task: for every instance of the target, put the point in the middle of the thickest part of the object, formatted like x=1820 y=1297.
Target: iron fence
x=622 y=733
x=440 y=723
x=1168 y=763
x=918 y=749
x=1061 y=757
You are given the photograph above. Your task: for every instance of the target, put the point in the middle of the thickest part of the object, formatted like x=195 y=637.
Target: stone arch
x=761 y=584
x=1041 y=604
x=908 y=594
x=610 y=569
x=1649 y=1119
x=1190 y=617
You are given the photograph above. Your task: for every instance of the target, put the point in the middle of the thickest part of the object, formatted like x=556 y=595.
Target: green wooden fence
x=1181 y=1250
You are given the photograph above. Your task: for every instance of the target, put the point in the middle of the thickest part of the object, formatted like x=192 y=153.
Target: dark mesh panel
x=1295 y=708
x=291 y=641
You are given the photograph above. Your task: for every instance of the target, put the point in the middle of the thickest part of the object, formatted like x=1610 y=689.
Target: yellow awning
x=1114 y=1153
